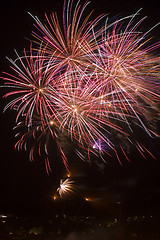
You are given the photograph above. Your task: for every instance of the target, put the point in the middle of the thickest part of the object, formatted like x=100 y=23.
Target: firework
x=30 y=88
x=91 y=81
x=127 y=73
x=39 y=140
x=69 y=43
x=66 y=187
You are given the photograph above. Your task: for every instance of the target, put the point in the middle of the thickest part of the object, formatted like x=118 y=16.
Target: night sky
x=25 y=185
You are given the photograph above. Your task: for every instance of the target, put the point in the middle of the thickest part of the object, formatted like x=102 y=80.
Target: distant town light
x=3 y=216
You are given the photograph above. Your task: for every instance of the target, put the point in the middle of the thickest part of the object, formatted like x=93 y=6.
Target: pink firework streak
x=88 y=81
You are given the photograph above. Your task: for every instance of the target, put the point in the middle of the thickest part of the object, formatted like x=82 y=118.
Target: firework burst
x=69 y=43
x=30 y=87
x=66 y=187
x=89 y=81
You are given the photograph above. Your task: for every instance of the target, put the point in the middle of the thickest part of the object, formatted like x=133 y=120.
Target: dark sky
x=24 y=184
